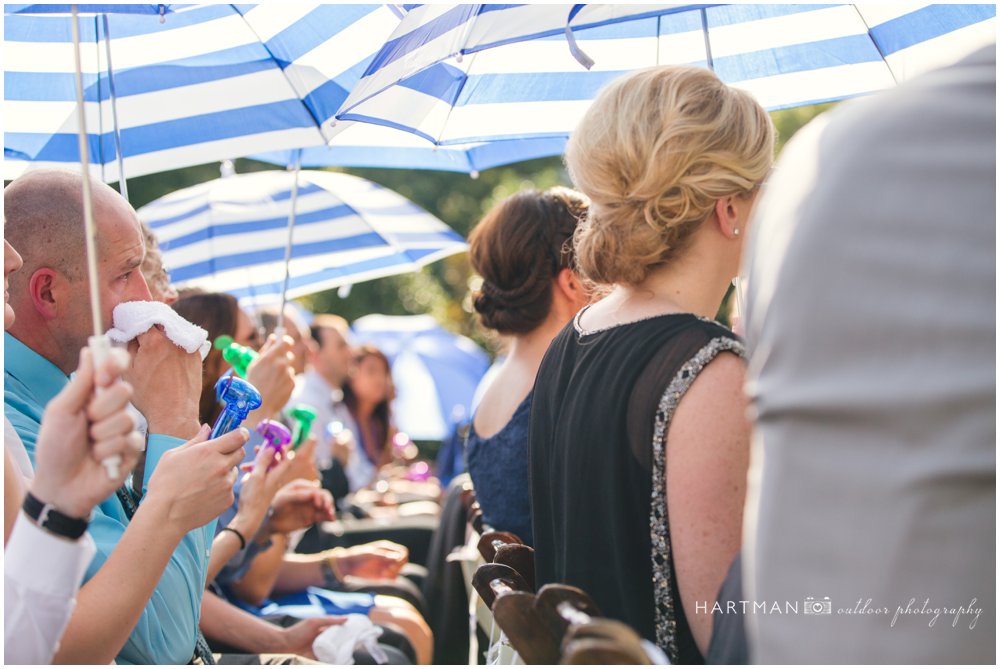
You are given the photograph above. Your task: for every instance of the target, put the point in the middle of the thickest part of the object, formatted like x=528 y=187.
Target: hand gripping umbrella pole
x=100 y=344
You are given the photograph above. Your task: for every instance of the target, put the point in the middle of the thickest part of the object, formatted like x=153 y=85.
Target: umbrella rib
x=316 y=122
x=708 y=41
x=458 y=94
x=119 y=149
x=100 y=115
x=872 y=38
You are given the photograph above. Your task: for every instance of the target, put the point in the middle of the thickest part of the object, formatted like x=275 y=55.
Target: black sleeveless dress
x=603 y=401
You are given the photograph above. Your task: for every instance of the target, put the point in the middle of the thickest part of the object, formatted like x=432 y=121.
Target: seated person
x=270 y=373
x=142 y=596
x=529 y=293
x=47 y=553
x=377 y=452
x=258 y=488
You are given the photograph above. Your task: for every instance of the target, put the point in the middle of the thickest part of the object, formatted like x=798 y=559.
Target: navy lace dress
x=499 y=470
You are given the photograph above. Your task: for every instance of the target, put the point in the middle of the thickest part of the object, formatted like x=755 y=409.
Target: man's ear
x=44 y=290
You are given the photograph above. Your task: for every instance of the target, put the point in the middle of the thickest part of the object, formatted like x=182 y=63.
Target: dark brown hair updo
x=518 y=249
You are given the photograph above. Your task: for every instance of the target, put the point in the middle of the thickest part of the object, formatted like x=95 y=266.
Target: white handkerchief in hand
x=336 y=644
x=132 y=319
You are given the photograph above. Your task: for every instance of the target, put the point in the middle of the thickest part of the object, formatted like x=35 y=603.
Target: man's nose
x=138 y=289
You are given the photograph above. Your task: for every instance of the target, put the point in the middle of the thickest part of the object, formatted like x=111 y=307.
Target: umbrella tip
x=227 y=169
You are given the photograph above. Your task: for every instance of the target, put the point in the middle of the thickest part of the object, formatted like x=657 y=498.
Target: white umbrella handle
x=100 y=345
x=100 y=349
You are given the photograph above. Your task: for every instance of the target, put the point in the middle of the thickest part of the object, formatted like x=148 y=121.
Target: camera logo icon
x=817 y=607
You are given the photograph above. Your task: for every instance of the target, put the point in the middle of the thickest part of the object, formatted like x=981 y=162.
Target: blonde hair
x=654 y=153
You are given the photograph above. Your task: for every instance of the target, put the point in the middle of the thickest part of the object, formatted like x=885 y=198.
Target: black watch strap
x=54 y=522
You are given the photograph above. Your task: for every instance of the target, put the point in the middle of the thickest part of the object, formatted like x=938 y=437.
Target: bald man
x=142 y=596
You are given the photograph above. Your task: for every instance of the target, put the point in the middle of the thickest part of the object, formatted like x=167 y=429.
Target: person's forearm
x=221 y=621
x=258 y=582
x=227 y=544
x=109 y=605
x=298 y=572
x=224 y=547
x=156 y=446
x=265 y=412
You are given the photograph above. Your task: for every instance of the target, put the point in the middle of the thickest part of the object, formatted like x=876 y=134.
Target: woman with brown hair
x=522 y=249
x=221 y=314
x=639 y=440
x=367 y=395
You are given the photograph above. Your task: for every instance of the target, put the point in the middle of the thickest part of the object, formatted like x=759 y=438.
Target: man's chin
x=8 y=316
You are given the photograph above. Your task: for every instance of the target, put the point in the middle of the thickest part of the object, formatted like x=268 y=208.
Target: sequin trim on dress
x=659 y=531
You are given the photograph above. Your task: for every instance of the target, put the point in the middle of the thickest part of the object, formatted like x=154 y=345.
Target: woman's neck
x=695 y=285
x=529 y=349
x=687 y=292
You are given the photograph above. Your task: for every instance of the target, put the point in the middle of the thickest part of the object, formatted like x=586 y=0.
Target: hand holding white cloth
x=131 y=319
x=336 y=644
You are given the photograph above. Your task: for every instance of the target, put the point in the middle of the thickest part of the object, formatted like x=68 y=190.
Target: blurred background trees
x=442 y=289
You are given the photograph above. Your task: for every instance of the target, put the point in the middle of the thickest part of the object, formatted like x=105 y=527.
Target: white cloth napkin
x=336 y=644
x=131 y=319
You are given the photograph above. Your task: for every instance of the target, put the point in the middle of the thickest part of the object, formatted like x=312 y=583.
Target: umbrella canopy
x=229 y=234
x=473 y=73
x=369 y=145
x=435 y=371
x=193 y=84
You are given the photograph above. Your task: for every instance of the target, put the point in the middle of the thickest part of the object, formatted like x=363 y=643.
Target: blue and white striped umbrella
x=229 y=234
x=472 y=73
x=207 y=83
x=369 y=145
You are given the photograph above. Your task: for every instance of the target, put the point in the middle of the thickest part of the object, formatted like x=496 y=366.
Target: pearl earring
x=736 y=231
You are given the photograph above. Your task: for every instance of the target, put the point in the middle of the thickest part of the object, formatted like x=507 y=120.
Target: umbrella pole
x=100 y=345
x=279 y=331
x=122 y=183
x=740 y=304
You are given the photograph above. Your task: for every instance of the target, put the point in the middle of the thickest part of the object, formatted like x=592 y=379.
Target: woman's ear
x=727 y=214
x=571 y=287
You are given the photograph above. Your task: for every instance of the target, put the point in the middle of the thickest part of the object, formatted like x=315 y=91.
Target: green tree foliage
x=459 y=200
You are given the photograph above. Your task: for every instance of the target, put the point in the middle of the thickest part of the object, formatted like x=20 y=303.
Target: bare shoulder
x=712 y=413
x=504 y=395
x=719 y=382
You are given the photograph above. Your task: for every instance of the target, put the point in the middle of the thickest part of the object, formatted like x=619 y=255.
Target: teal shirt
x=165 y=633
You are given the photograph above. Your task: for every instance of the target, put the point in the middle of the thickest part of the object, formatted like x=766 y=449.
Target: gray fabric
x=871 y=329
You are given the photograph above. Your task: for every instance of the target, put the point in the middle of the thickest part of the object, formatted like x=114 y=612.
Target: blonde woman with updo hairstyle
x=638 y=434
x=523 y=251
